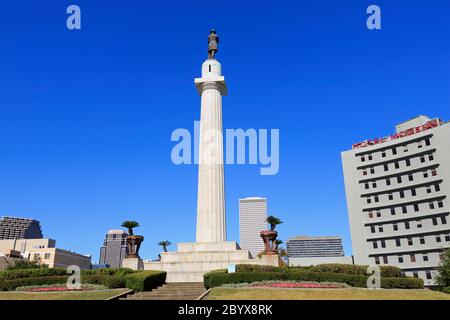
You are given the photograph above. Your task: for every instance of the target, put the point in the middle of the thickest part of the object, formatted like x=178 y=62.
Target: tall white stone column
x=211 y=225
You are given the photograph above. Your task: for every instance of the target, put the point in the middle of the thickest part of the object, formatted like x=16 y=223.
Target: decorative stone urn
x=269 y=238
x=133 y=244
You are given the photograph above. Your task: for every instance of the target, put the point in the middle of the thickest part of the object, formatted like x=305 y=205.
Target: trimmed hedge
x=10 y=285
x=386 y=271
x=219 y=277
x=120 y=272
x=145 y=280
x=31 y=273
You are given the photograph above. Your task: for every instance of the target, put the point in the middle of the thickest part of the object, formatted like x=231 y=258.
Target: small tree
x=130 y=225
x=443 y=277
x=164 y=244
x=273 y=221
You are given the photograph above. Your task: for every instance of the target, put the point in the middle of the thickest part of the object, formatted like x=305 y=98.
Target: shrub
x=258 y=268
x=144 y=280
x=220 y=277
x=108 y=271
x=386 y=271
x=108 y=281
x=26 y=264
x=443 y=277
x=31 y=273
x=9 y=285
x=446 y=289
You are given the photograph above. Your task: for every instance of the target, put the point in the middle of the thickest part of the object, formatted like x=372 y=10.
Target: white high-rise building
x=398 y=190
x=252 y=220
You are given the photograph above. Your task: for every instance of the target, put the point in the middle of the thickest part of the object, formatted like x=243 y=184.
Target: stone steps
x=171 y=291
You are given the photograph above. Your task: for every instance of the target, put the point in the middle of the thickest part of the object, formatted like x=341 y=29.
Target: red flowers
x=306 y=285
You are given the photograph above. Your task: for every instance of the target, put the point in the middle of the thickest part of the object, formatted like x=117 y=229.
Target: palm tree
x=164 y=244
x=273 y=221
x=277 y=243
x=130 y=225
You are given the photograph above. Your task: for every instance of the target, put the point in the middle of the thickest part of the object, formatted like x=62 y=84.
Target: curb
x=120 y=295
x=204 y=294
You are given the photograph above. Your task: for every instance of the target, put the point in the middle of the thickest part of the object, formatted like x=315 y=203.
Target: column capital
x=216 y=83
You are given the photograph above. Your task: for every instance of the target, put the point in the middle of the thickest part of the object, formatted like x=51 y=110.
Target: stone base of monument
x=193 y=260
x=133 y=263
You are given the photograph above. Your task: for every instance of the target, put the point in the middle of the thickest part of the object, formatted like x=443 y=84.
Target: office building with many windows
x=252 y=220
x=19 y=228
x=398 y=190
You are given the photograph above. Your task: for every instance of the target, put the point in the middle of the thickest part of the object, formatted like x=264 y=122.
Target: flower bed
x=60 y=287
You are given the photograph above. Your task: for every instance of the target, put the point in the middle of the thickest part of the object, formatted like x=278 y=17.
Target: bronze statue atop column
x=213 y=40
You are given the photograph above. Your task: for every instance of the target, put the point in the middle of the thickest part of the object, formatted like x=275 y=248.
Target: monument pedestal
x=193 y=260
x=133 y=263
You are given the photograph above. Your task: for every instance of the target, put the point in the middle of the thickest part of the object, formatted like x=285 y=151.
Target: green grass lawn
x=323 y=294
x=86 y=295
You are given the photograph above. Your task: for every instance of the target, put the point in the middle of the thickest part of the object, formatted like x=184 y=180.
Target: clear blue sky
x=86 y=116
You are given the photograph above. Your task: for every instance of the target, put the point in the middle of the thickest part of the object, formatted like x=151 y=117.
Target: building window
x=398 y=242
x=372 y=229
x=427 y=142
x=413 y=192
x=428 y=189
x=404 y=209
x=434 y=221
x=370 y=215
x=370 y=157
x=400 y=259
x=422 y=240
x=377 y=199
x=407 y=225
x=410 y=241
x=440 y=204
x=408 y=162
x=364 y=173
x=395 y=227
x=405 y=148
x=433 y=173
x=425 y=258
x=416 y=207
x=383 y=154
x=437 y=187
x=396 y=165
x=374 y=185
x=386 y=167
x=443 y=220
x=402 y=194
x=377 y=260
x=447 y=237
x=385 y=259
x=378 y=214
x=375 y=245
x=388 y=182
x=422 y=159
x=363 y=159
x=415 y=274
x=438 y=239
x=380 y=228
x=393 y=211
x=419 y=224
x=431 y=157
x=431 y=205
x=428 y=275
x=383 y=243
x=390 y=196
x=36 y=256
x=366 y=185
x=372 y=170
x=410 y=177
x=399 y=179
x=419 y=144
x=369 y=200
x=425 y=174
x=413 y=257
x=47 y=256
